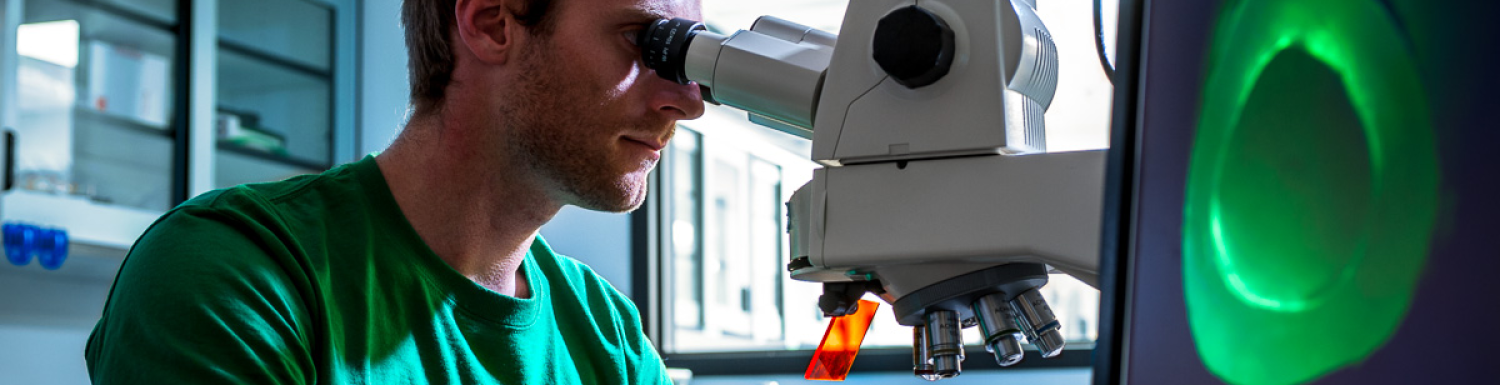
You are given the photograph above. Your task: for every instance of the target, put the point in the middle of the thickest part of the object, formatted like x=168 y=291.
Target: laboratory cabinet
x=115 y=111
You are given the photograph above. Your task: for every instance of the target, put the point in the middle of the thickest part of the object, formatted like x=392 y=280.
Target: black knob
x=914 y=46
x=664 y=46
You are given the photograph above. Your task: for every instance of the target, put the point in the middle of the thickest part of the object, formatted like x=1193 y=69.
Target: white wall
x=46 y=317
x=600 y=240
x=382 y=75
x=42 y=355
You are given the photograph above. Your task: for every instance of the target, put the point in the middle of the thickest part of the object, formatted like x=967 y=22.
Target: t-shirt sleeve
x=652 y=369
x=203 y=298
x=646 y=366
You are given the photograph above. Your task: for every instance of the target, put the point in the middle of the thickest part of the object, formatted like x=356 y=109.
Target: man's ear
x=487 y=29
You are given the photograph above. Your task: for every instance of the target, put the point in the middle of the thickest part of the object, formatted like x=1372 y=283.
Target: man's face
x=586 y=115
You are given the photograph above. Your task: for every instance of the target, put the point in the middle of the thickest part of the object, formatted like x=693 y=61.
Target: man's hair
x=429 y=47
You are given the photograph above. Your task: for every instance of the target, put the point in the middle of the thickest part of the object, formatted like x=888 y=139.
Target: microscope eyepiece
x=664 y=46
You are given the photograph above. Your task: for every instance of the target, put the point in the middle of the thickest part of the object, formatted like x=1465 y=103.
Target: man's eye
x=632 y=36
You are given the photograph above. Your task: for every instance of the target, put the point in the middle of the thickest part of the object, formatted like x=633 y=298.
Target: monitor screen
x=1310 y=194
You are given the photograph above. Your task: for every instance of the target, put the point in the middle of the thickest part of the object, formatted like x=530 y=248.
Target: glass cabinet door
x=274 y=92
x=95 y=108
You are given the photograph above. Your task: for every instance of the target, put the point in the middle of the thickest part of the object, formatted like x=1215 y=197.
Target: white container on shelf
x=128 y=83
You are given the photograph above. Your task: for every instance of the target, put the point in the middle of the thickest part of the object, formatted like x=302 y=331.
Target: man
x=423 y=264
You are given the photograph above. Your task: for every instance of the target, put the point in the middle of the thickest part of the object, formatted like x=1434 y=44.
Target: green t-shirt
x=320 y=279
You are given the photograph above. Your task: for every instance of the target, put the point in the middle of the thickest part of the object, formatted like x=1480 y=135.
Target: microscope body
x=937 y=192
x=950 y=177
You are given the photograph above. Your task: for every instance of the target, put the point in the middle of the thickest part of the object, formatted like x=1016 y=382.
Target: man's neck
x=478 y=214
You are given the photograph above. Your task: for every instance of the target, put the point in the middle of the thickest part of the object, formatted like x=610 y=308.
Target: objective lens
x=664 y=46
x=1038 y=323
x=921 y=355
x=997 y=323
x=945 y=343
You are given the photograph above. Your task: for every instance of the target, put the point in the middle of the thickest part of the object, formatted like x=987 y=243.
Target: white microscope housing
x=937 y=190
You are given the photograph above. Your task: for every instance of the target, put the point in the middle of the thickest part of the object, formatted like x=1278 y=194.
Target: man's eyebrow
x=643 y=15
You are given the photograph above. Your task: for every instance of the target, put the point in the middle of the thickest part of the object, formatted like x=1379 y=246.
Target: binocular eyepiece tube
x=774 y=70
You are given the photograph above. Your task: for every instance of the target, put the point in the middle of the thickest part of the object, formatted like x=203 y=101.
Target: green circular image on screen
x=1311 y=190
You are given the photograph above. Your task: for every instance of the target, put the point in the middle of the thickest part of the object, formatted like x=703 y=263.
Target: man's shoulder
x=570 y=269
x=576 y=275
x=293 y=218
x=241 y=197
x=593 y=305
x=342 y=178
x=270 y=200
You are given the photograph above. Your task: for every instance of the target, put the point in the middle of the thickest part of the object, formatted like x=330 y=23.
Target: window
x=725 y=282
x=723 y=285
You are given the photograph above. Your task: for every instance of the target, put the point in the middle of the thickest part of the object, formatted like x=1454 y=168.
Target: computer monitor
x=1303 y=191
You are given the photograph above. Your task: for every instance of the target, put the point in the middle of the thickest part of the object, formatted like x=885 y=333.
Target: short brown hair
x=429 y=49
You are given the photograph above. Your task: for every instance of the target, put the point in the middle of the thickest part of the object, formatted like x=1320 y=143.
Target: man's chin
x=618 y=207
x=624 y=197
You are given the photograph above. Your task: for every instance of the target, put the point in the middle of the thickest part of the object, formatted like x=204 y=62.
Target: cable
x=1109 y=70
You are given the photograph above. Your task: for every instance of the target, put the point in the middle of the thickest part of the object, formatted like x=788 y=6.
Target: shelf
x=87 y=222
x=274 y=59
x=236 y=165
x=112 y=120
x=297 y=31
x=162 y=14
x=291 y=103
x=85 y=261
x=108 y=24
x=269 y=157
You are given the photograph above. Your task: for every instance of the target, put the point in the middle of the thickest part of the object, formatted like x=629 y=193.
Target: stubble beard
x=551 y=135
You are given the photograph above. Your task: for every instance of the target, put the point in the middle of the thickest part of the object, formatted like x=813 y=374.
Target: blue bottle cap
x=52 y=248
x=19 y=242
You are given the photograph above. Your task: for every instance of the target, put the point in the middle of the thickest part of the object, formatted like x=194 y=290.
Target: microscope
x=936 y=190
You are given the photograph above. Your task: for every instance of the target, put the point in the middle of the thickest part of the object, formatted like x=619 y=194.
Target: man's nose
x=677 y=101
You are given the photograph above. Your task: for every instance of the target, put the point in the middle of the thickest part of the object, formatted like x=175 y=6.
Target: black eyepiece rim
x=664 y=46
